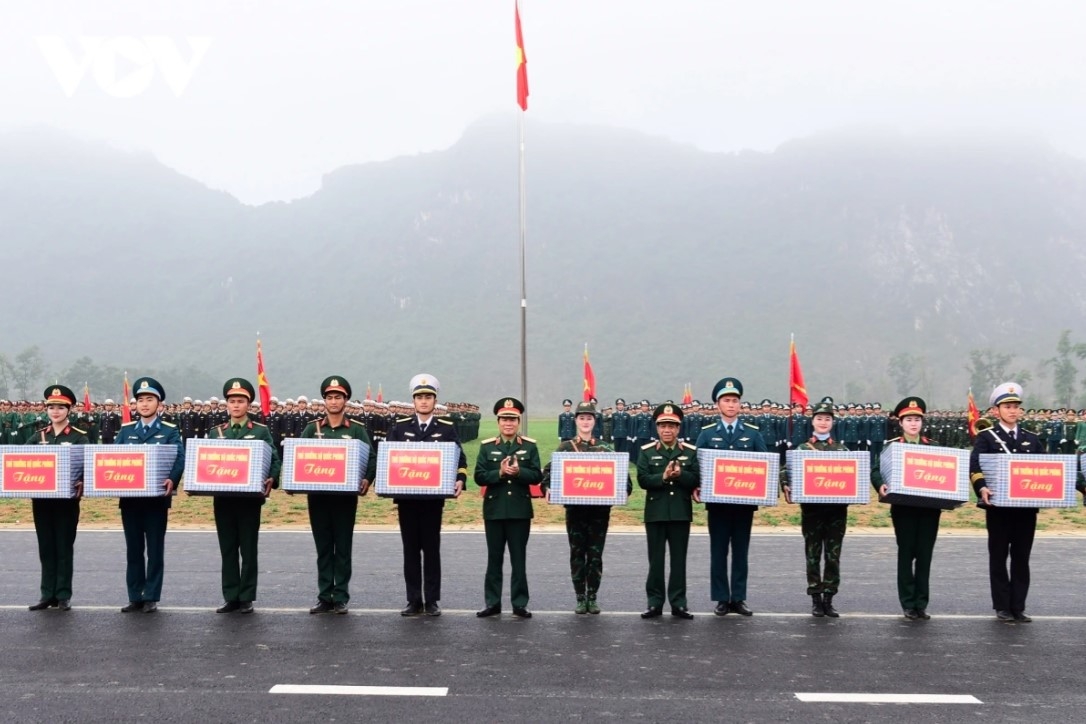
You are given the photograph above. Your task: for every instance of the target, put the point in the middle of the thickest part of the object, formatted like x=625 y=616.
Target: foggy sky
x=288 y=91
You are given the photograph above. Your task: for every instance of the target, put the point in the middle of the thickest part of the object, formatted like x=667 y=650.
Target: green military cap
x=59 y=395
x=240 y=387
x=585 y=408
x=335 y=383
x=824 y=407
x=911 y=406
x=727 y=386
x=667 y=413
x=148 y=386
x=510 y=407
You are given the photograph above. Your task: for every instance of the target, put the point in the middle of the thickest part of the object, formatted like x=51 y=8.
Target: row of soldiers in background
x=860 y=426
x=194 y=418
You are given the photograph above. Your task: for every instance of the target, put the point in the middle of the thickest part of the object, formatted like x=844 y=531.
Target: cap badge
x=145 y=385
x=236 y=385
x=668 y=410
x=333 y=383
x=508 y=403
x=55 y=392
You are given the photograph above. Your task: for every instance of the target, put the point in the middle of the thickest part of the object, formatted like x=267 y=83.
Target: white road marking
x=888 y=698
x=359 y=690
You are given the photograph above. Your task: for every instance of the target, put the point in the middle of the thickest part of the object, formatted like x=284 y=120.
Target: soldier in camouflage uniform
x=823 y=524
x=586 y=525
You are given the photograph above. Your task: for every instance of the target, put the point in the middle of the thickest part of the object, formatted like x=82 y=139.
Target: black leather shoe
x=681 y=613
x=816 y=605
x=923 y=613
x=412 y=609
x=43 y=604
x=1021 y=617
x=150 y=606
x=741 y=608
x=432 y=609
x=911 y=614
x=133 y=607
x=245 y=607
x=722 y=609
x=488 y=611
x=827 y=606
x=521 y=612
x=228 y=607
x=652 y=612
x=323 y=607
x=1004 y=615
x=64 y=604
x=340 y=607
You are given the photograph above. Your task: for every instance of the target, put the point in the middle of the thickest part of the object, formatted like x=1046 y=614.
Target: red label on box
x=588 y=478
x=1036 y=480
x=314 y=465
x=30 y=472
x=740 y=478
x=831 y=478
x=223 y=465
x=414 y=468
x=120 y=471
x=928 y=471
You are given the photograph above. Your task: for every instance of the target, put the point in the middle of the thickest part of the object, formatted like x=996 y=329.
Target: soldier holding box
x=145 y=519
x=55 y=521
x=507 y=465
x=331 y=515
x=668 y=471
x=1010 y=530
x=915 y=527
x=237 y=518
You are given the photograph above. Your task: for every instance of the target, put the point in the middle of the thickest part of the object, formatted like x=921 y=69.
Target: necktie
x=422 y=427
x=1013 y=435
x=731 y=429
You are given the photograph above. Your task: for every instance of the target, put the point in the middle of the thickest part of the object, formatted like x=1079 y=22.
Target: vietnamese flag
x=262 y=386
x=797 y=389
x=86 y=397
x=369 y=392
x=126 y=411
x=380 y=393
x=974 y=415
x=522 y=63
x=589 y=378
x=688 y=394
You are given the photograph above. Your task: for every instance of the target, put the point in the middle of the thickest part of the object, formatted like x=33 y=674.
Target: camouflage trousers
x=823 y=528
x=586 y=526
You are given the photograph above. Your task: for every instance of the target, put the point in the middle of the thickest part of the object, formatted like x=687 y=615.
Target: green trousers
x=915 y=529
x=502 y=534
x=823 y=527
x=55 y=523
x=331 y=518
x=664 y=536
x=237 y=523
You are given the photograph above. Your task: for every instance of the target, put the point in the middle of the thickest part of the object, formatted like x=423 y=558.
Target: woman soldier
x=915 y=527
x=823 y=524
x=586 y=525
x=55 y=520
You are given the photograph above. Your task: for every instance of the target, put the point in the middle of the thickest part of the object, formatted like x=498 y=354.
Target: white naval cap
x=423 y=383
x=1006 y=392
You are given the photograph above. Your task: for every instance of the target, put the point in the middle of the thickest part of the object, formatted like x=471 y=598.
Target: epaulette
x=531 y=440
x=688 y=445
x=488 y=440
x=646 y=446
x=896 y=439
x=706 y=427
x=81 y=432
x=126 y=424
x=403 y=419
x=445 y=421
x=257 y=424
x=223 y=425
x=168 y=424
x=752 y=427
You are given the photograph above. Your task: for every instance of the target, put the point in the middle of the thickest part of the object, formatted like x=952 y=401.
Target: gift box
x=227 y=467
x=417 y=469
x=739 y=476
x=925 y=476
x=589 y=478
x=1030 y=481
x=42 y=471
x=829 y=476
x=323 y=465
x=127 y=471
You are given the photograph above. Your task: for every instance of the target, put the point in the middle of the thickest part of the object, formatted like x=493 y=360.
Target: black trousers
x=1010 y=533
x=420 y=531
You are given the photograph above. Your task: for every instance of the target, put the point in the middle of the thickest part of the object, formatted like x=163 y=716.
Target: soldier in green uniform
x=915 y=527
x=823 y=524
x=331 y=515
x=507 y=465
x=237 y=518
x=586 y=525
x=56 y=520
x=668 y=471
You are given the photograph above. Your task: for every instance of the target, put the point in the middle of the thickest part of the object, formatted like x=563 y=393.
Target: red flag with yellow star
x=522 y=63
x=262 y=385
x=797 y=388
x=589 y=378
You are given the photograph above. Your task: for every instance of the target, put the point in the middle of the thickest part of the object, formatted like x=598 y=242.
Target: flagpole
x=523 y=286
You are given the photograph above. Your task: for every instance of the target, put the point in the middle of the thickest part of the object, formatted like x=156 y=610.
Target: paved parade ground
x=186 y=663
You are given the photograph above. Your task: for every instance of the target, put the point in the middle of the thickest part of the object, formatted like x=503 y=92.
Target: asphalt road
x=186 y=663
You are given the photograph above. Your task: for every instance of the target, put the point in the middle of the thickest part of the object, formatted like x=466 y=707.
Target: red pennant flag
x=126 y=411
x=263 y=388
x=522 y=63
x=86 y=397
x=797 y=389
x=589 y=378
x=380 y=394
x=974 y=415
x=369 y=392
x=688 y=394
